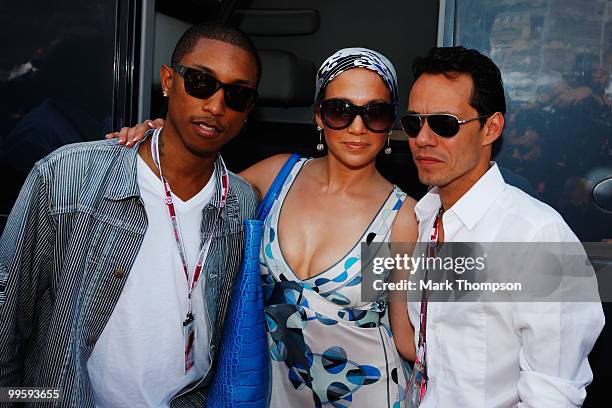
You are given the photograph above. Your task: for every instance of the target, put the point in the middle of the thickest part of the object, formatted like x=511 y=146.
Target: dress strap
x=275 y=188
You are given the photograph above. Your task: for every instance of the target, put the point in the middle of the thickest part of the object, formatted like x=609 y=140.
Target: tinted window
x=556 y=60
x=56 y=81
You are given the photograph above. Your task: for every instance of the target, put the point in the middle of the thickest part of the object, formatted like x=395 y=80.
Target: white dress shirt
x=503 y=354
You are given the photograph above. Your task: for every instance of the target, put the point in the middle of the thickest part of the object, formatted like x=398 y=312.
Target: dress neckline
x=276 y=222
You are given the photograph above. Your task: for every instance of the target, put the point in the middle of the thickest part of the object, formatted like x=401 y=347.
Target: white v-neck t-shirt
x=138 y=361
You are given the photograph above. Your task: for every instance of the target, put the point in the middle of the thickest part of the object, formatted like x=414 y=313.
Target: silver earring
x=388 y=148
x=165 y=94
x=320 y=146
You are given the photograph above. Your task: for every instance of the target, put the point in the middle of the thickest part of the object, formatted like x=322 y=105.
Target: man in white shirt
x=486 y=354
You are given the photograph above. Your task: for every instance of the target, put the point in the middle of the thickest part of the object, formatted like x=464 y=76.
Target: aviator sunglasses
x=202 y=85
x=338 y=114
x=443 y=124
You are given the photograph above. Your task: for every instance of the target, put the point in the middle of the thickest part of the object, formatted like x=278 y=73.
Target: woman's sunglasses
x=338 y=114
x=202 y=85
x=443 y=124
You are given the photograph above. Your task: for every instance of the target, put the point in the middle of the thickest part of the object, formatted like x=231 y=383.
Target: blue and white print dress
x=328 y=348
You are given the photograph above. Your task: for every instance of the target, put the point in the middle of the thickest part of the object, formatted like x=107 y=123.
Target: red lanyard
x=175 y=223
x=431 y=253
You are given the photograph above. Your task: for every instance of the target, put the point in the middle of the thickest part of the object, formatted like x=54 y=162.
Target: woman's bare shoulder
x=262 y=174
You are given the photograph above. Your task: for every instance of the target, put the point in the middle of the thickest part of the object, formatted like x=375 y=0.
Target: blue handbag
x=242 y=379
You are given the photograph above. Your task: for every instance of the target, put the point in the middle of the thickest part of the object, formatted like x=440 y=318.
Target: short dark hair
x=488 y=89
x=215 y=31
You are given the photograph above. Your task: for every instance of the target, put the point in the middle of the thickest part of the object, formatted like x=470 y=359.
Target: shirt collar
x=428 y=205
x=123 y=176
x=471 y=207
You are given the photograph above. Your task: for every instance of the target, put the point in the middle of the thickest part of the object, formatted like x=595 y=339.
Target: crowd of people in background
x=560 y=145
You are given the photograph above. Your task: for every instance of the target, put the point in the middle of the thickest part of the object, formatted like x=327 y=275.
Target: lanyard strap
x=431 y=253
x=175 y=222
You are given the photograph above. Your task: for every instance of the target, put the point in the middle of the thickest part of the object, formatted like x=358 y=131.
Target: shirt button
x=119 y=273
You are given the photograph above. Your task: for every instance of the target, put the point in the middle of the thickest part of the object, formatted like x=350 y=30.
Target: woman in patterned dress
x=328 y=346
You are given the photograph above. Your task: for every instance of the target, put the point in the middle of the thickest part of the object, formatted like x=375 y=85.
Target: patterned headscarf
x=349 y=58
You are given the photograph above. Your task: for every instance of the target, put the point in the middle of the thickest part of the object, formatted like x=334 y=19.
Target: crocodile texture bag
x=242 y=377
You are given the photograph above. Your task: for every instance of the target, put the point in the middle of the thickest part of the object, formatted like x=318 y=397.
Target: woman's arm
x=260 y=175
x=404 y=233
x=131 y=135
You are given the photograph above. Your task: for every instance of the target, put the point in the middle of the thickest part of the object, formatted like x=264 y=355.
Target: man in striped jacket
x=116 y=265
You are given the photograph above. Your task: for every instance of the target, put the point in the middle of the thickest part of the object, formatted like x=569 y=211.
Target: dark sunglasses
x=340 y=113
x=202 y=85
x=443 y=124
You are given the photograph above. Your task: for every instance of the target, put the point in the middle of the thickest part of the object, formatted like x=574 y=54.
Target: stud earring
x=388 y=149
x=165 y=94
x=320 y=146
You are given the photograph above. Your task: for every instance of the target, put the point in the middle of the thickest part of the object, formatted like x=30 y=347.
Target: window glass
x=556 y=61
x=56 y=81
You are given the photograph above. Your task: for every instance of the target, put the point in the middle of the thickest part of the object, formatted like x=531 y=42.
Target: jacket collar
x=123 y=176
x=232 y=208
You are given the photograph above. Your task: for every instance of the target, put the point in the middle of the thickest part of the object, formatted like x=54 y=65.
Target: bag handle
x=275 y=188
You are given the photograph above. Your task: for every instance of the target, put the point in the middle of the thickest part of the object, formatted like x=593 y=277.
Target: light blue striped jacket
x=65 y=255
